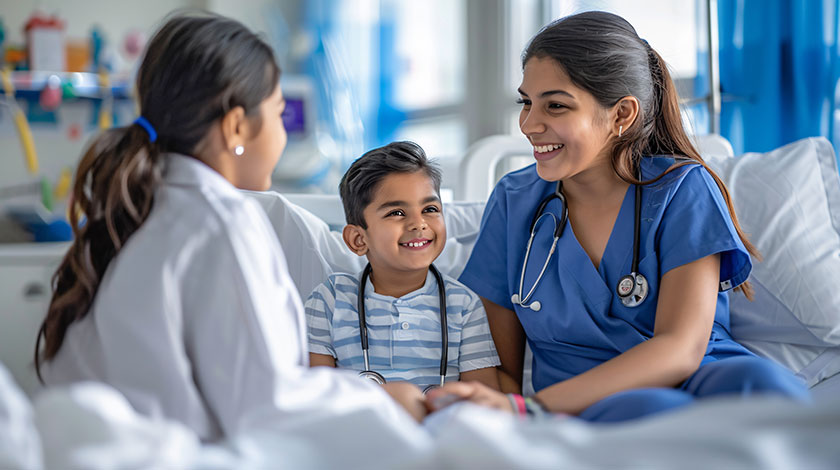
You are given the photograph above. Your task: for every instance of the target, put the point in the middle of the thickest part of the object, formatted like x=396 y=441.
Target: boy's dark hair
x=364 y=175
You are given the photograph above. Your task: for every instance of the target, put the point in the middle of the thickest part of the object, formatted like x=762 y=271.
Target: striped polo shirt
x=403 y=333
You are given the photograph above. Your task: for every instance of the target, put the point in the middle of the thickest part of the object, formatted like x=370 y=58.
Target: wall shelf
x=28 y=85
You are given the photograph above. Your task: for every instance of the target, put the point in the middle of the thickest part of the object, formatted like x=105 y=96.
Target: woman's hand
x=410 y=397
x=475 y=392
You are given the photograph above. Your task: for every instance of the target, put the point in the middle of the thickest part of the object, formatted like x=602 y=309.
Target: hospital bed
x=799 y=202
x=793 y=192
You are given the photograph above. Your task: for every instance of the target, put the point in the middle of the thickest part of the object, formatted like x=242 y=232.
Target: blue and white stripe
x=403 y=333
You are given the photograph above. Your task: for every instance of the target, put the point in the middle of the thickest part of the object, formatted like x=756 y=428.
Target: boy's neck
x=397 y=284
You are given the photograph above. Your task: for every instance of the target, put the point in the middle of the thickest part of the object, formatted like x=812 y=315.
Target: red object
x=38 y=20
x=520 y=404
x=50 y=97
x=45 y=45
x=74 y=132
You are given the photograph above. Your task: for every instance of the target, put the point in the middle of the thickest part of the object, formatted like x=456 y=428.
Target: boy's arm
x=316 y=360
x=478 y=357
x=488 y=376
x=318 y=310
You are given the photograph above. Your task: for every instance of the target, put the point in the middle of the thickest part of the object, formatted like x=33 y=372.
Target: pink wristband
x=520 y=404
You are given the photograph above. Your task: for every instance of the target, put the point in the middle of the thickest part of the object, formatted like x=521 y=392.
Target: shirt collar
x=428 y=288
x=182 y=170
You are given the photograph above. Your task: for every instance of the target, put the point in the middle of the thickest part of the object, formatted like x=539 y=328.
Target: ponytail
x=668 y=137
x=603 y=55
x=114 y=190
x=195 y=69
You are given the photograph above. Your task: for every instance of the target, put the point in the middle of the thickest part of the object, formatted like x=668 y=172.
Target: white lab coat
x=197 y=319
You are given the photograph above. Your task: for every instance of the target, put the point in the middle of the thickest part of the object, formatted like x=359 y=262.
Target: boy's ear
x=354 y=238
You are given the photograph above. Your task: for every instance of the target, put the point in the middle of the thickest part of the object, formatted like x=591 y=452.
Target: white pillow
x=314 y=251
x=788 y=202
x=20 y=444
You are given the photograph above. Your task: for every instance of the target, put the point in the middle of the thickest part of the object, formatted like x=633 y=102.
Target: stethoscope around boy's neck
x=632 y=288
x=363 y=331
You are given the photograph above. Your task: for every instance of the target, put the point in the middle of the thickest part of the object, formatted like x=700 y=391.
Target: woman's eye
x=523 y=102
x=556 y=106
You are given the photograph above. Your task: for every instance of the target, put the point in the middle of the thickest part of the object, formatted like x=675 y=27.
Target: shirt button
x=404 y=325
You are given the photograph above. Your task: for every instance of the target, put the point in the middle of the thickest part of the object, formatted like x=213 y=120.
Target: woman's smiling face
x=568 y=128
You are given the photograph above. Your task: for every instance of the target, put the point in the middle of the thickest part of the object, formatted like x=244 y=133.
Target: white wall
x=115 y=17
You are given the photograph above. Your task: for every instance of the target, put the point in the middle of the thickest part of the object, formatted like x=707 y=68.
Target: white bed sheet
x=92 y=426
x=826 y=391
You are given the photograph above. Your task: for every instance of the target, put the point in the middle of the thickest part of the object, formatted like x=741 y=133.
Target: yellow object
x=21 y=123
x=62 y=186
x=105 y=114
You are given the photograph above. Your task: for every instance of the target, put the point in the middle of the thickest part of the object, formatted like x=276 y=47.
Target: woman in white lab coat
x=175 y=290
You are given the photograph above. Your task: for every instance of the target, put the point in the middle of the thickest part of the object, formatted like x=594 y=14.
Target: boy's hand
x=474 y=392
x=410 y=397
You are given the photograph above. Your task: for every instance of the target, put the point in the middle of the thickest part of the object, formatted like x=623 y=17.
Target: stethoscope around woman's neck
x=363 y=331
x=632 y=288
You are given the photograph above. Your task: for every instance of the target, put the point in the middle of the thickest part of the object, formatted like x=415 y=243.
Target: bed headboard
x=488 y=159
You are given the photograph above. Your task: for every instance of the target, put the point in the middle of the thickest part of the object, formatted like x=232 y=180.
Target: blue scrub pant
x=741 y=375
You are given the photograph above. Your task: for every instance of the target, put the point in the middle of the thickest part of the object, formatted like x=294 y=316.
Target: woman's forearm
x=662 y=361
x=508 y=384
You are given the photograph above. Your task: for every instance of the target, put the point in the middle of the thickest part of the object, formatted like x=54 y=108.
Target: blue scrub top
x=582 y=322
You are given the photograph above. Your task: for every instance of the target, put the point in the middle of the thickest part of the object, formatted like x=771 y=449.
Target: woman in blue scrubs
x=601 y=111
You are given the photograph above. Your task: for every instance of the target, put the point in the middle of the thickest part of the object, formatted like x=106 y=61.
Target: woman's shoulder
x=681 y=182
x=520 y=179
x=673 y=172
x=522 y=184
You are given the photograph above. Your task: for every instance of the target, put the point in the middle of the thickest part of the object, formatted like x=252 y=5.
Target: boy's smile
x=417 y=243
x=405 y=229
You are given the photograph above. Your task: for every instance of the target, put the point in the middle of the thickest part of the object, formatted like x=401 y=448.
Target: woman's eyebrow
x=548 y=93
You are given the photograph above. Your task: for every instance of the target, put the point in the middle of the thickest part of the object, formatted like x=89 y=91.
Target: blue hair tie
x=147 y=126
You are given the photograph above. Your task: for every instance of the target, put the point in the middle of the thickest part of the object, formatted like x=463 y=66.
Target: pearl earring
x=239 y=150
x=620 y=128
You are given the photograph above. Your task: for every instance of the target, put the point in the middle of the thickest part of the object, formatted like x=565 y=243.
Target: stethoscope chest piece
x=373 y=376
x=632 y=289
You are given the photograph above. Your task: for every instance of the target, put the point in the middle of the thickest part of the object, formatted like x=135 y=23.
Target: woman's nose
x=530 y=123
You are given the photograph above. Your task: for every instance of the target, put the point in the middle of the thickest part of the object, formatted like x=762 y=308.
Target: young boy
x=391 y=198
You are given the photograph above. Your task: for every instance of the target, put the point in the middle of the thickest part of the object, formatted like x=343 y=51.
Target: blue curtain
x=337 y=74
x=779 y=70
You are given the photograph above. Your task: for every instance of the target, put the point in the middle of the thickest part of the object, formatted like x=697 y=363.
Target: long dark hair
x=603 y=55
x=196 y=68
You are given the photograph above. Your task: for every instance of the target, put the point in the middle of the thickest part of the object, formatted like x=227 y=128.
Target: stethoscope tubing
x=639 y=290
x=444 y=328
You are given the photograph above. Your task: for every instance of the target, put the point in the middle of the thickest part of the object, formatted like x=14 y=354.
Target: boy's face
x=405 y=228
